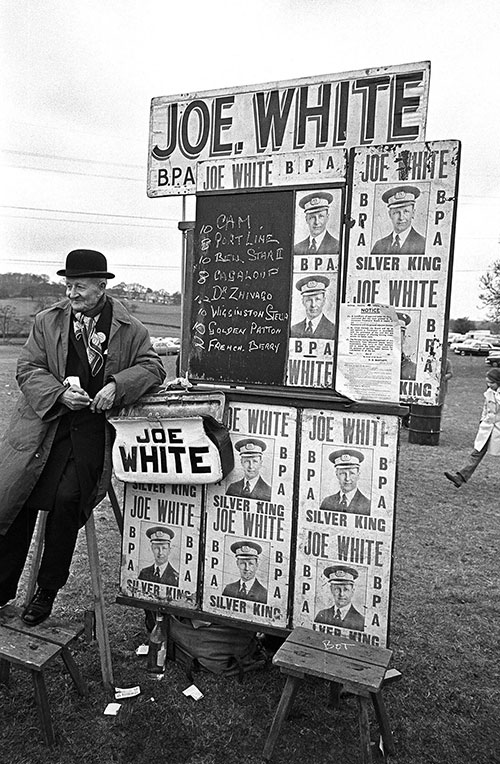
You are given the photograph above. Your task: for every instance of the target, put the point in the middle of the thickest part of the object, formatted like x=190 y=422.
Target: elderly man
x=404 y=239
x=349 y=498
x=342 y=613
x=248 y=587
x=161 y=571
x=251 y=485
x=315 y=324
x=83 y=356
x=320 y=241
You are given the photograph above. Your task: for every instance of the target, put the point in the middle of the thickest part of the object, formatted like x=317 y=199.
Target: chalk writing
x=240 y=290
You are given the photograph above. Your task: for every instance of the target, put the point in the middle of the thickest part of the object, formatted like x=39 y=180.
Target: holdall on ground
x=214 y=647
x=173 y=438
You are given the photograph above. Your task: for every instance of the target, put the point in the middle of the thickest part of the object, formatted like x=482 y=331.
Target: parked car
x=455 y=337
x=167 y=345
x=476 y=347
x=457 y=345
x=493 y=358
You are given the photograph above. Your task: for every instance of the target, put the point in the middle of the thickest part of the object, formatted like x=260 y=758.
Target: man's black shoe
x=456 y=479
x=40 y=607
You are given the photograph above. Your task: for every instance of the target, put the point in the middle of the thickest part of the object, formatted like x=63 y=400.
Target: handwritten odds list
x=241 y=288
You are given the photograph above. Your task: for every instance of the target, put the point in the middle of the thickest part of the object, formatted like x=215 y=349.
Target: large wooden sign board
x=294 y=293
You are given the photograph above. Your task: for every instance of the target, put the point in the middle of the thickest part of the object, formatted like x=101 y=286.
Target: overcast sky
x=78 y=76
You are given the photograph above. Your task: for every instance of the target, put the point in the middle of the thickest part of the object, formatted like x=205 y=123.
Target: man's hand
x=104 y=399
x=75 y=398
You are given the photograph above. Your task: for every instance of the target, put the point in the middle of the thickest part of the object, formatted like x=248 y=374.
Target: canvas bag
x=215 y=647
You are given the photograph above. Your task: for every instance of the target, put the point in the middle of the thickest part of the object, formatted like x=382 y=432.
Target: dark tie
x=338 y=615
x=312 y=246
x=84 y=327
x=246 y=487
x=343 y=501
x=309 y=327
x=396 y=246
x=243 y=589
x=157 y=574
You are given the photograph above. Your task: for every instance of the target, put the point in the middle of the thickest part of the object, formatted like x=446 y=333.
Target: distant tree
x=30 y=285
x=118 y=289
x=136 y=291
x=462 y=325
x=176 y=298
x=7 y=319
x=490 y=294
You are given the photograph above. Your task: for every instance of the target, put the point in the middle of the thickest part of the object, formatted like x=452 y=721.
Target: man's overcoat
x=25 y=447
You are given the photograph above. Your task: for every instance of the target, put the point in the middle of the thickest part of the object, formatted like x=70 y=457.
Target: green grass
x=445 y=632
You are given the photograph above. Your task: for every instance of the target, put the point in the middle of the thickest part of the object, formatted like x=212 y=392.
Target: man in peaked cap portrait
x=248 y=587
x=315 y=324
x=85 y=355
x=252 y=486
x=408 y=367
x=349 y=498
x=404 y=239
x=320 y=241
x=342 y=613
x=161 y=571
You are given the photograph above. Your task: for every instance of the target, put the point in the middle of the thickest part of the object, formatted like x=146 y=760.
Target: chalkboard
x=239 y=287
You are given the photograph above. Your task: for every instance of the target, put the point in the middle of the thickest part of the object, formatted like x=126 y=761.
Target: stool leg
x=286 y=700
x=383 y=722
x=38 y=542
x=74 y=671
x=364 y=730
x=101 y=622
x=334 y=694
x=4 y=672
x=42 y=704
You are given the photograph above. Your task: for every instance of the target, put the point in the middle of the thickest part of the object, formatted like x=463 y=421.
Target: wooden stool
x=97 y=586
x=33 y=648
x=354 y=666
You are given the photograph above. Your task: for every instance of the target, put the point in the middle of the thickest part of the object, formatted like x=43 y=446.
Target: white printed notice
x=249 y=518
x=345 y=524
x=369 y=353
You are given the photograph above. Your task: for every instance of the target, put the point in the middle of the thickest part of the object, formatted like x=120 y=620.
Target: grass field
x=445 y=634
x=160 y=320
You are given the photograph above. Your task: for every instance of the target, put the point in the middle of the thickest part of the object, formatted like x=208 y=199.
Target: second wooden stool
x=359 y=668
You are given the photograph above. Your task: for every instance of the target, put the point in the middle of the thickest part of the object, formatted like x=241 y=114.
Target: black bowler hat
x=86 y=262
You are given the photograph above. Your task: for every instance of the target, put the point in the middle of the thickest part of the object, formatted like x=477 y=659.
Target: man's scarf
x=84 y=328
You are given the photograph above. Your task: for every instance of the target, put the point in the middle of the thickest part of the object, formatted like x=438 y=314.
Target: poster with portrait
x=401 y=248
x=249 y=518
x=345 y=523
x=160 y=546
x=315 y=285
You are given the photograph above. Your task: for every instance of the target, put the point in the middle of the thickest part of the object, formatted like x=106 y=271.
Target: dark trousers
x=63 y=523
x=475 y=459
